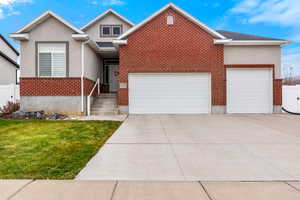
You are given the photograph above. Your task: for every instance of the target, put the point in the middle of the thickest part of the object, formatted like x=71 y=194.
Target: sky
x=271 y=18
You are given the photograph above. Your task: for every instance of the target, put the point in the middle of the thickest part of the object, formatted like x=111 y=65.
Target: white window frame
x=111 y=28
x=38 y=59
x=170 y=20
x=101 y=31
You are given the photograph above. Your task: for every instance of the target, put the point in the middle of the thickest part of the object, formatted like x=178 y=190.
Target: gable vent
x=170 y=20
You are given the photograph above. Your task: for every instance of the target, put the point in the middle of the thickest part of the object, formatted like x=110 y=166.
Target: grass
x=49 y=149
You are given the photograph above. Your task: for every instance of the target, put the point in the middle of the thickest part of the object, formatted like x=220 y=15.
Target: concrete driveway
x=200 y=147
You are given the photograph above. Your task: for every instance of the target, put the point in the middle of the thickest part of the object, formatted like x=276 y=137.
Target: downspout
x=82 y=75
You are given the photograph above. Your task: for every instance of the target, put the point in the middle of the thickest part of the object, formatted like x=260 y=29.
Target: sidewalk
x=123 y=190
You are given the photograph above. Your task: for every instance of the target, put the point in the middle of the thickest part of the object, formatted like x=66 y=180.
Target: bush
x=9 y=108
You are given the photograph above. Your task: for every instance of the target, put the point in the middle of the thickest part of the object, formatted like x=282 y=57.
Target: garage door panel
x=169 y=93
x=249 y=90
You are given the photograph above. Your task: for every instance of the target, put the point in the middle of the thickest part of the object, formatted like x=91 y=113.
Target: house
x=8 y=62
x=169 y=63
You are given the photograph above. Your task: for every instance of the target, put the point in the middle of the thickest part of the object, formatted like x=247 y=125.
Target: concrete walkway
x=104 y=117
x=200 y=148
x=124 y=190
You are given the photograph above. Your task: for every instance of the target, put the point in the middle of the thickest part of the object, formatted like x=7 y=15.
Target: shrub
x=9 y=108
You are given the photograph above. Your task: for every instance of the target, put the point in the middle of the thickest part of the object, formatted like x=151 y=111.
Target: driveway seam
x=114 y=190
x=172 y=149
x=206 y=191
x=295 y=188
x=19 y=190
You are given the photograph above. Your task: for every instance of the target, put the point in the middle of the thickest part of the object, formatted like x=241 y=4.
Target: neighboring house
x=169 y=63
x=8 y=62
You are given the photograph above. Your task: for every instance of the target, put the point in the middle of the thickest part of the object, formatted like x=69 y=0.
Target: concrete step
x=103 y=109
x=105 y=104
x=105 y=101
x=108 y=95
x=105 y=113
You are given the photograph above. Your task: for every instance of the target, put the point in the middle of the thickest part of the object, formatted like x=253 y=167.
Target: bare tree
x=288 y=71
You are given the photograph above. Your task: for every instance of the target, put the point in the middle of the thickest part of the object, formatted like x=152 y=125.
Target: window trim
x=112 y=30
x=37 y=57
x=111 y=26
x=170 y=20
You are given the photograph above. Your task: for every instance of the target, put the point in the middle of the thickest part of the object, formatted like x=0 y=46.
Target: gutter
x=230 y=42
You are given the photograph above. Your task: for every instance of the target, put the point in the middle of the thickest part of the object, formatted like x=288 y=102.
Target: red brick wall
x=54 y=86
x=277 y=92
x=182 y=47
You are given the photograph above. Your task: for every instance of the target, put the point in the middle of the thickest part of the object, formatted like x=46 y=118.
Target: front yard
x=49 y=149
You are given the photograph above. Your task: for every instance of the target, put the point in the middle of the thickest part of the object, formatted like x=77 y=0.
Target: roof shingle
x=242 y=36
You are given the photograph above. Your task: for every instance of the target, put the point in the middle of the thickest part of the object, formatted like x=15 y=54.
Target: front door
x=113 y=78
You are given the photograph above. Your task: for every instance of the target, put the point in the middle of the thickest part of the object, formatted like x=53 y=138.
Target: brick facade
x=54 y=86
x=182 y=47
x=277 y=92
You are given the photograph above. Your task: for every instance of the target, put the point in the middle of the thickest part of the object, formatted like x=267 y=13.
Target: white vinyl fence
x=291 y=98
x=9 y=93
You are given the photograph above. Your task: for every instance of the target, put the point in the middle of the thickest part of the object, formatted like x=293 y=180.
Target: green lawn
x=49 y=149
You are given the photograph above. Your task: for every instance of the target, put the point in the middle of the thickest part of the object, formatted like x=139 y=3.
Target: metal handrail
x=89 y=97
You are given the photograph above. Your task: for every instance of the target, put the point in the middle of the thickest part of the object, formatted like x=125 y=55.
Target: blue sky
x=273 y=18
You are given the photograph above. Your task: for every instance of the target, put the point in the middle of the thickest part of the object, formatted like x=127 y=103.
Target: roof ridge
x=101 y=15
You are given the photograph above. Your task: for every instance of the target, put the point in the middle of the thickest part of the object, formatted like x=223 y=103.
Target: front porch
x=105 y=102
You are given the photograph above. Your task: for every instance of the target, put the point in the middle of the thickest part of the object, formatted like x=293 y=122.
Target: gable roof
x=182 y=12
x=242 y=36
x=9 y=59
x=44 y=17
x=10 y=46
x=109 y=11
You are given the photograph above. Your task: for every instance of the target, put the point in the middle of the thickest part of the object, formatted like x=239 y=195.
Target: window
x=52 y=59
x=110 y=30
x=106 y=31
x=170 y=20
x=116 y=30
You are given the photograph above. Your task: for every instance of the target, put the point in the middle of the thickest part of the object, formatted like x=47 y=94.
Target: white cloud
x=94 y=2
x=11 y=2
x=245 y=6
x=1 y=14
x=13 y=12
x=7 y=7
x=285 y=13
x=113 y=3
x=279 y=12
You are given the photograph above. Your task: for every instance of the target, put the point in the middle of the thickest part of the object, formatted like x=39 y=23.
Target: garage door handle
x=298 y=98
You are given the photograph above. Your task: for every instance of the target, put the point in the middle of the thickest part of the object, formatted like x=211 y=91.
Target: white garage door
x=169 y=93
x=249 y=91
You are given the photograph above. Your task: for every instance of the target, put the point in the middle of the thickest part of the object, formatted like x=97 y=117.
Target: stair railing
x=97 y=85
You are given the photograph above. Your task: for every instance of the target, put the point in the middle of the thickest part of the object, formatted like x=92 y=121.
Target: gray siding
x=7 y=50
x=49 y=31
x=254 y=55
x=94 y=30
x=92 y=64
x=8 y=72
